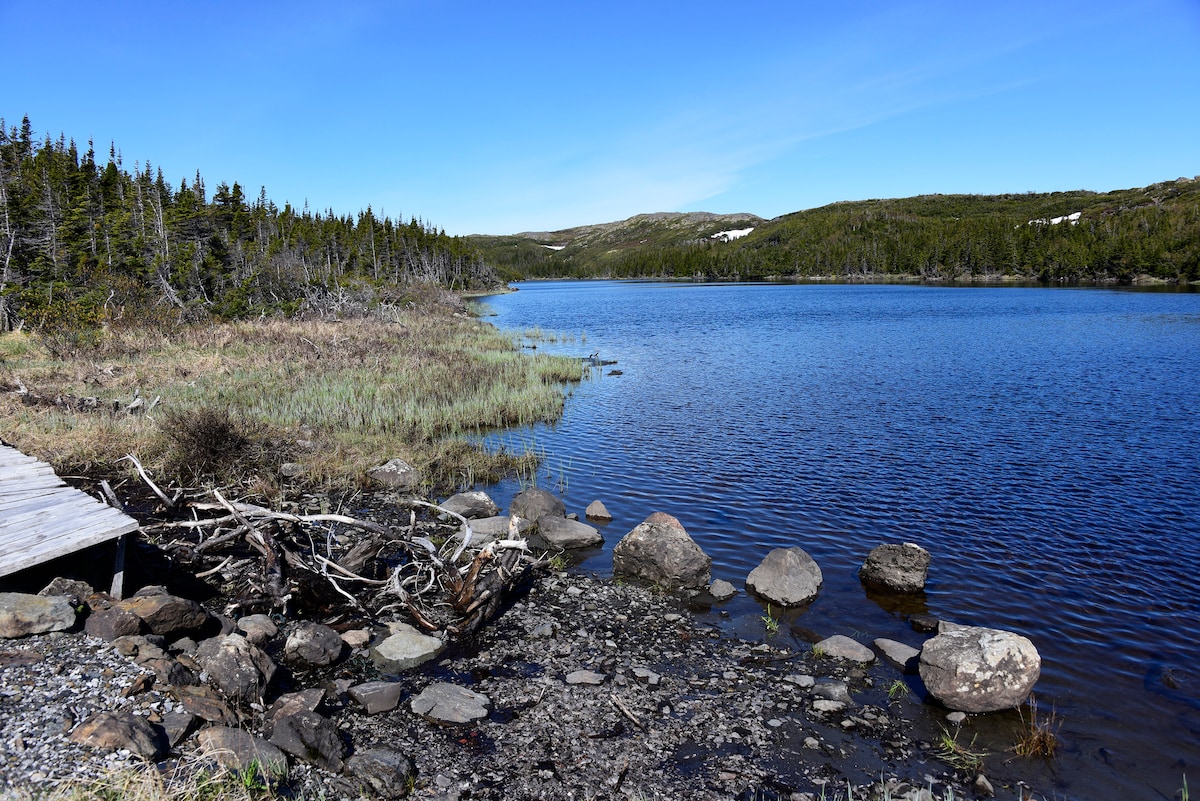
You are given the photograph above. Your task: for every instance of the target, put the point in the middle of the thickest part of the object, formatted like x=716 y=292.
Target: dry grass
x=338 y=397
x=1038 y=736
x=146 y=783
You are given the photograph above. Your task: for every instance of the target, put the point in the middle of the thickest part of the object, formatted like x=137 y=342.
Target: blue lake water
x=1040 y=443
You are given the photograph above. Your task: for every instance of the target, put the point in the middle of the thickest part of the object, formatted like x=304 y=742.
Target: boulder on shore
x=241 y=671
x=240 y=750
x=396 y=474
x=380 y=773
x=405 y=648
x=166 y=614
x=786 y=576
x=314 y=644
x=975 y=669
x=500 y=527
x=123 y=730
x=22 y=614
x=660 y=550
x=896 y=568
x=471 y=504
x=442 y=702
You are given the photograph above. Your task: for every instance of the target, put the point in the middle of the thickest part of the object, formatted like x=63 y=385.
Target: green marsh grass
x=770 y=622
x=338 y=397
x=957 y=755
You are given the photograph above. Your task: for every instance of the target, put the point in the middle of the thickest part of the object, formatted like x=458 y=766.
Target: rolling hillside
x=1148 y=233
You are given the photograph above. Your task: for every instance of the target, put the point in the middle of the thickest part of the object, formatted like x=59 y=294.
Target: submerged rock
x=839 y=646
x=722 y=590
x=900 y=656
x=596 y=510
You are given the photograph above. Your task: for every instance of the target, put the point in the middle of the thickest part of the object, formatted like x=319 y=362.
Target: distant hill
x=1147 y=233
x=587 y=249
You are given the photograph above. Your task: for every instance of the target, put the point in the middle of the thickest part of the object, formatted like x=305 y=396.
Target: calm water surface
x=1041 y=443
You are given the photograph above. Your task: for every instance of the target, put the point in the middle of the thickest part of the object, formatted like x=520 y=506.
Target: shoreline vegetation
x=306 y=403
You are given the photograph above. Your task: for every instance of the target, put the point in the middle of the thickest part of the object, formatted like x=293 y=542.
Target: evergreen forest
x=84 y=240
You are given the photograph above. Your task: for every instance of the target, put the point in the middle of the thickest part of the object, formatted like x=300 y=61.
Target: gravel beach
x=594 y=689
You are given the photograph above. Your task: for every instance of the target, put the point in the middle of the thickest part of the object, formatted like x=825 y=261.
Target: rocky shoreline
x=581 y=687
x=594 y=690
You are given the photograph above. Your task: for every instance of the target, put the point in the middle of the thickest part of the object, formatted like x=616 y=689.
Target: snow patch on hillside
x=1073 y=219
x=729 y=236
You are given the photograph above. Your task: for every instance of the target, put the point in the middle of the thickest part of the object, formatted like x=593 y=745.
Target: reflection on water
x=1039 y=442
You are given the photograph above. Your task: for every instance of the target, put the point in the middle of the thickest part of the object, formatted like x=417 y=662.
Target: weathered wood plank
x=14 y=456
x=35 y=553
x=18 y=491
x=46 y=500
x=42 y=518
x=64 y=533
x=64 y=530
x=39 y=471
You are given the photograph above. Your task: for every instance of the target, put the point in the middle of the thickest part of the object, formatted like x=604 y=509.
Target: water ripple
x=1041 y=443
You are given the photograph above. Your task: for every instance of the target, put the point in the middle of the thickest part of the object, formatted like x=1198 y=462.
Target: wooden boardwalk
x=41 y=518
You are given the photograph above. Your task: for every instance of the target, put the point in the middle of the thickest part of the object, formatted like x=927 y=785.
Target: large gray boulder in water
x=560 y=533
x=786 y=576
x=660 y=550
x=896 y=568
x=974 y=669
x=534 y=503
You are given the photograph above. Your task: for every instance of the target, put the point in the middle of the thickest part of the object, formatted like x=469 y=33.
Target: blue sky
x=505 y=117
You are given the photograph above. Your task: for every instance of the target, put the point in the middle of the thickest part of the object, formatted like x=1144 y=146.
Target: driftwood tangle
x=336 y=566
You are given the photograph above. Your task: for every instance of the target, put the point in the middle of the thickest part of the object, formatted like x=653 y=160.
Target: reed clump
x=1039 y=734
x=228 y=399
